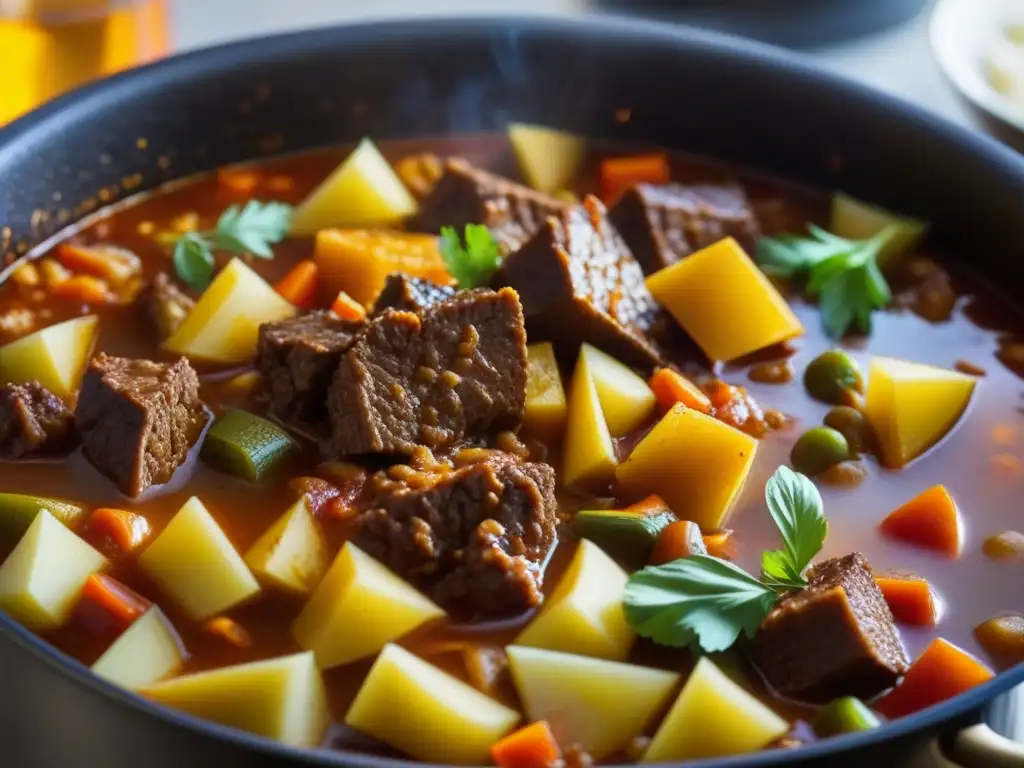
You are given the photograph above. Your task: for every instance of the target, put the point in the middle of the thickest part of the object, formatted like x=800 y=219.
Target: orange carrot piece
x=347 y=308
x=83 y=288
x=122 y=603
x=620 y=173
x=910 y=599
x=652 y=505
x=229 y=630
x=127 y=529
x=670 y=388
x=238 y=181
x=113 y=264
x=676 y=540
x=300 y=285
x=941 y=672
x=721 y=544
x=929 y=520
x=532 y=746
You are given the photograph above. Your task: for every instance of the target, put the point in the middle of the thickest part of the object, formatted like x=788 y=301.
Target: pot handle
x=978 y=746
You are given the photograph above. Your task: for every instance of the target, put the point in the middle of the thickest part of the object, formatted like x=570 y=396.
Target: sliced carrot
x=300 y=285
x=83 y=288
x=238 y=181
x=122 y=603
x=651 y=505
x=941 y=672
x=670 y=387
x=620 y=173
x=929 y=520
x=113 y=264
x=127 y=529
x=676 y=540
x=532 y=746
x=721 y=544
x=910 y=599
x=229 y=630
x=347 y=308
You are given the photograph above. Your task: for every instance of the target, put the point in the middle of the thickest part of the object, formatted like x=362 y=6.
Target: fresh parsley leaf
x=472 y=262
x=193 y=261
x=699 y=601
x=797 y=509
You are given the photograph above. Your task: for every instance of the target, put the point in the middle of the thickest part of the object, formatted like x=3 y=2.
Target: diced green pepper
x=18 y=510
x=245 y=445
x=623 y=533
x=845 y=715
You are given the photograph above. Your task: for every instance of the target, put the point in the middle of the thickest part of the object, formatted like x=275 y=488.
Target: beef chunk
x=411 y=294
x=297 y=358
x=474 y=537
x=834 y=638
x=33 y=420
x=579 y=282
x=167 y=305
x=663 y=223
x=467 y=195
x=453 y=372
x=138 y=419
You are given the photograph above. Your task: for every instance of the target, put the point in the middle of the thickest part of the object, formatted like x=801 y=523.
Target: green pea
x=832 y=375
x=853 y=425
x=818 y=449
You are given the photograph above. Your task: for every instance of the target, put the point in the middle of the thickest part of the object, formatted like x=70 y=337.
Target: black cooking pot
x=711 y=95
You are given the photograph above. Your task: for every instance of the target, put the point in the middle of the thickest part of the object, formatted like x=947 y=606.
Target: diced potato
x=550 y=158
x=584 y=614
x=588 y=457
x=18 y=510
x=224 y=324
x=55 y=356
x=281 y=699
x=713 y=717
x=359 y=607
x=726 y=304
x=291 y=555
x=626 y=400
x=694 y=462
x=196 y=564
x=363 y=191
x=42 y=579
x=545 y=397
x=415 y=707
x=146 y=653
x=596 y=704
x=357 y=261
x=912 y=406
x=856 y=220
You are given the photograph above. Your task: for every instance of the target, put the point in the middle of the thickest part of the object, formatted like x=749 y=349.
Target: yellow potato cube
x=545 y=398
x=291 y=555
x=626 y=400
x=549 y=158
x=912 y=406
x=726 y=304
x=224 y=324
x=281 y=699
x=694 y=462
x=428 y=714
x=588 y=457
x=359 y=607
x=196 y=564
x=713 y=717
x=42 y=579
x=364 y=191
x=856 y=220
x=146 y=653
x=584 y=614
x=55 y=356
x=596 y=704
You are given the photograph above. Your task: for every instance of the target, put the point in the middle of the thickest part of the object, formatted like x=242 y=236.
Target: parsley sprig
x=470 y=260
x=252 y=228
x=706 y=603
x=843 y=274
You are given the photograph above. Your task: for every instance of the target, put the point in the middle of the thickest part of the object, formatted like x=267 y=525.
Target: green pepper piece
x=846 y=715
x=246 y=446
x=624 y=534
x=18 y=510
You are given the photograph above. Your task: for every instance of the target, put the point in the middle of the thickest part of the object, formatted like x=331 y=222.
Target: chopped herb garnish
x=249 y=229
x=705 y=602
x=842 y=273
x=473 y=259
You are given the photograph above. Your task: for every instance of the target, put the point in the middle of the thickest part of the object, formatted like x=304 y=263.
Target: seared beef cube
x=33 y=420
x=138 y=419
x=579 y=282
x=474 y=538
x=297 y=358
x=455 y=371
x=834 y=638
x=167 y=305
x=410 y=294
x=467 y=195
x=663 y=223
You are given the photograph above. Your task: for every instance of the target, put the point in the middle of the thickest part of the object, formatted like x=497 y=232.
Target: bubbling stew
x=523 y=450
